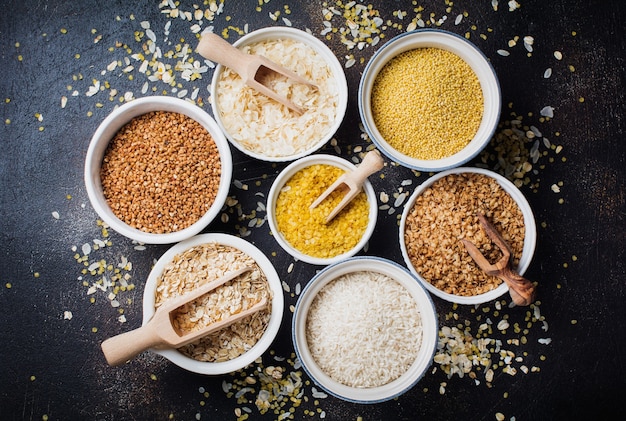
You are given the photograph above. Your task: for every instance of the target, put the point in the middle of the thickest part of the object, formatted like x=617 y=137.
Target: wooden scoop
x=159 y=330
x=522 y=291
x=351 y=182
x=252 y=68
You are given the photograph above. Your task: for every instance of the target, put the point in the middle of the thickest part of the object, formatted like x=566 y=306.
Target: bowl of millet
x=261 y=127
x=304 y=233
x=429 y=99
x=444 y=210
x=202 y=259
x=365 y=330
x=158 y=170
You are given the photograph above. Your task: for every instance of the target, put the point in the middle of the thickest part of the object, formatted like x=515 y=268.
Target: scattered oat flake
x=67 y=315
x=544 y=341
x=558 y=55
x=55 y=215
x=503 y=53
x=547 y=73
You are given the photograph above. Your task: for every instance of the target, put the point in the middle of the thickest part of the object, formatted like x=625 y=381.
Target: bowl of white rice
x=202 y=259
x=261 y=127
x=365 y=330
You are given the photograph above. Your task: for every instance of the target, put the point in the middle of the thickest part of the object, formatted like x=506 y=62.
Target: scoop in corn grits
x=306 y=229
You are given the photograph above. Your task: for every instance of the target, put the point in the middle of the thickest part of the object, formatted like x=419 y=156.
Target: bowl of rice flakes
x=365 y=329
x=202 y=259
x=443 y=210
x=265 y=129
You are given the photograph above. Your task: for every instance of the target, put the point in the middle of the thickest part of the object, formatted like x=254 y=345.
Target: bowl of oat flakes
x=205 y=258
x=443 y=210
x=261 y=127
x=158 y=170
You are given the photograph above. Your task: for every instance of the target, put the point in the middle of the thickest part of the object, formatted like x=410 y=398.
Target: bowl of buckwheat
x=202 y=259
x=443 y=211
x=158 y=170
x=429 y=99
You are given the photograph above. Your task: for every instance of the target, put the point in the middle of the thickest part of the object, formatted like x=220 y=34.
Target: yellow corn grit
x=306 y=229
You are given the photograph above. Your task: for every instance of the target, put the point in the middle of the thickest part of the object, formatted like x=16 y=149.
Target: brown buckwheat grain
x=161 y=172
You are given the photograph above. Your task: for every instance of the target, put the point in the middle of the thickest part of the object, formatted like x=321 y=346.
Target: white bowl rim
x=530 y=237
x=427 y=310
x=112 y=124
x=286 y=174
x=216 y=368
x=460 y=46
x=323 y=50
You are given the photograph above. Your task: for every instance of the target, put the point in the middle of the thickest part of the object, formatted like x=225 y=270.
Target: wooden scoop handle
x=215 y=48
x=121 y=348
x=372 y=162
x=522 y=291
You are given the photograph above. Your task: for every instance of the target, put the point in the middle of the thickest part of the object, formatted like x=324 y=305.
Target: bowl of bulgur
x=158 y=170
x=303 y=232
x=429 y=99
x=202 y=259
x=444 y=210
x=261 y=127
x=365 y=329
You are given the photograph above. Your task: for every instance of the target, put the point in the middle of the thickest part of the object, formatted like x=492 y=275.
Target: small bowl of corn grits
x=442 y=211
x=365 y=329
x=429 y=99
x=303 y=232
x=261 y=127
x=158 y=170
x=204 y=258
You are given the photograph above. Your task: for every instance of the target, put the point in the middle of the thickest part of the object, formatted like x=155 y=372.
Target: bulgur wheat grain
x=444 y=214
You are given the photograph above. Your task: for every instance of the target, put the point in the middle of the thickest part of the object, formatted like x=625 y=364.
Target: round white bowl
x=429 y=334
x=530 y=237
x=105 y=133
x=286 y=175
x=273 y=33
x=424 y=38
x=215 y=368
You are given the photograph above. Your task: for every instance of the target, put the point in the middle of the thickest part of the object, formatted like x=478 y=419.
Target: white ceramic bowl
x=107 y=130
x=530 y=237
x=286 y=175
x=215 y=368
x=424 y=38
x=429 y=334
x=273 y=33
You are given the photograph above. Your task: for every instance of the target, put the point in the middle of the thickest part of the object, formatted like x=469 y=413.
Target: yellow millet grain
x=306 y=229
x=427 y=103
